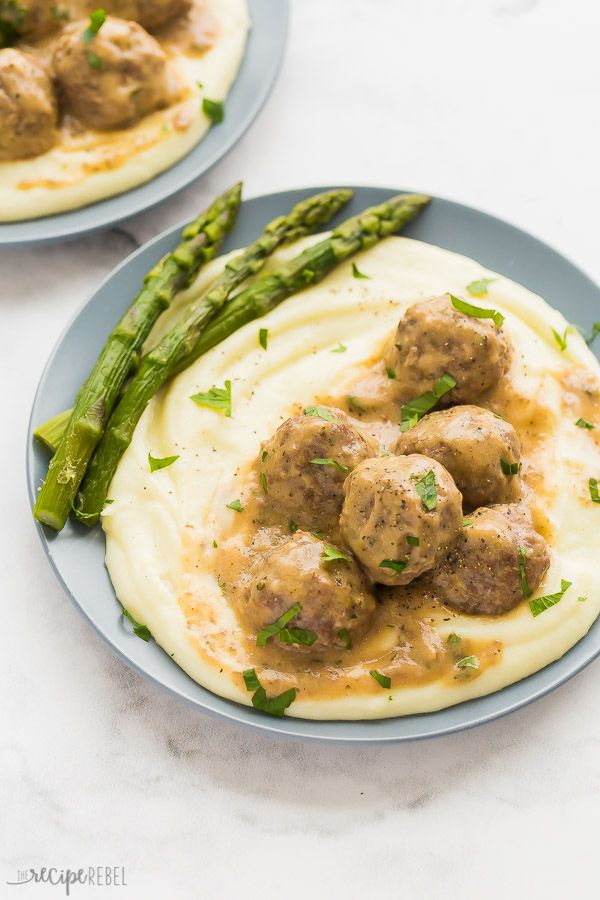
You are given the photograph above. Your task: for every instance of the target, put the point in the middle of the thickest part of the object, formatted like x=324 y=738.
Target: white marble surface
x=492 y=102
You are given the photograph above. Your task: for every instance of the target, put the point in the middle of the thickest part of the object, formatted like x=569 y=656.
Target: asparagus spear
x=358 y=233
x=201 y=240
x=51 y=431
x=158 y=365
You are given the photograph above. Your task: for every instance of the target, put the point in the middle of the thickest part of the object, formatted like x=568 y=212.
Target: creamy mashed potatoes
x=204 y=54
x=162 y=527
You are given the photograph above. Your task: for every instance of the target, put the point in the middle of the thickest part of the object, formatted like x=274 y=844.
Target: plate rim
x=261 y=722
x=62 y=227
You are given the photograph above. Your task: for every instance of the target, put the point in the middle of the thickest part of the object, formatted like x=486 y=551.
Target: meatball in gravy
x=499 y=561
x=433 y=338
x=478 y=448
x=150 y=14
x=306 y=462
x=402 y=510
x=116 y=79
x=334 y=596
x=28 y=113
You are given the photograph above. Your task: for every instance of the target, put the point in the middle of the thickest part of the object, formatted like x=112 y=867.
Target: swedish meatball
x=478 y=448
x=298 y=485
x=29 y=20
x=28 y=113
x=433 y=338
x=150 y=14
x=484 y=573
x=403 y=511
x=124 y=79
x=333 y=596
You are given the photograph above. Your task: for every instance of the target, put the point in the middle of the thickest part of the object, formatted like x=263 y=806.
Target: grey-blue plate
x=255 y=79
x=77 y=554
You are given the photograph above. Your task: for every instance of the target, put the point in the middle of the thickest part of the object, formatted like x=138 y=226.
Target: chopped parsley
x=412 y=540
x=453 y=638
x=345 y=638
x=416 y=409
x=298 y=636
x=468 y=662
x=540 y=604
x=292 y=526
x=409 y=423
x=467 y=522
x=524 y=585
x=213 y=109
x=382 y=680
x=589 y=338
x=426 y=489
x=561 y=341
x=156 y=463
x=397 y=565
x=480 y=288
x=352 y=401
x=390 y=373
x=215 y=544
x=329 y=462
x=321 y=412
x=215 y=398
x=581 y=599
x=477 y=312
x=235 y=504
x=275 y=706
x=97 y=20
x=142 y=631
x=271 y=630
x=264 y=455
x=331 y=553
x=509 y=468
x=341 y=348
x=593 y=483
x=93 y=59
x=263 y=336
x=263 y=481
x=356 y=273
x=582 y=423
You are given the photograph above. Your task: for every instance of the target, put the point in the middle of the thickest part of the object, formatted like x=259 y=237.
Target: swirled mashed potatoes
x=85 y=117
x=185 y=564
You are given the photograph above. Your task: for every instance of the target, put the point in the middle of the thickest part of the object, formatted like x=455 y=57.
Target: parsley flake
x=271 y=630
x=97 y=20
x=321 y=412
x=426 y=489
x=382 y=680
x=397 y=565
x=477 y=312
x=416 y=409
x=468 y=662
x=467 y=522
x=356 y=273
x=292 y=526
x=582 y=423
x=263 y=481
x=390 y=373
x=593 y=483
x=332 y=553
x=142 y=631
x=345 y=638
x=235 y=504
x=524 y=585
x=329 y=462
x=352 y=401
x=480 y=288
x=156 y=463
x=93 y=59
x=341 y=348
x=275 y=706
x=298 y=636
x=540 y=604
x=215 y=398
x=412 y=540
x=561 y=341
x=263 y=336
x=214 y=110
x=509 y=468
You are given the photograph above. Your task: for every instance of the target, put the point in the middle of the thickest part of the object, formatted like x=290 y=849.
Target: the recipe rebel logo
x=94 y=876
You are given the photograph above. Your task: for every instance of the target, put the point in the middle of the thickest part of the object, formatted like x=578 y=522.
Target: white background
x=493 y=103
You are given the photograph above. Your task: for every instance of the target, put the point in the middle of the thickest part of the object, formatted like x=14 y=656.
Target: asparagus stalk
x=358 y=233
x=158 y=365
x=51 y=431
x=201 y=240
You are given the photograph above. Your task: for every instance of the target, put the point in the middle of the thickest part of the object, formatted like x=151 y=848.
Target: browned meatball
x=28 y=113
x=334 y=596
x=401 y=516
x=309 y=491
x=30 y=19
x=433 y=338
x=115 y=79
x=150 y=14
x=478 y=448
x=484 y=573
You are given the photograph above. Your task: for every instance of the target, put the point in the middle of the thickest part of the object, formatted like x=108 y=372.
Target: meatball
x=433 y=338
x=310 y=491
x=478 y=448
x=28 y=113
x=401 y=516
x=116 y=79
x=499 y=560
x=334 y=596
x=150 y=14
